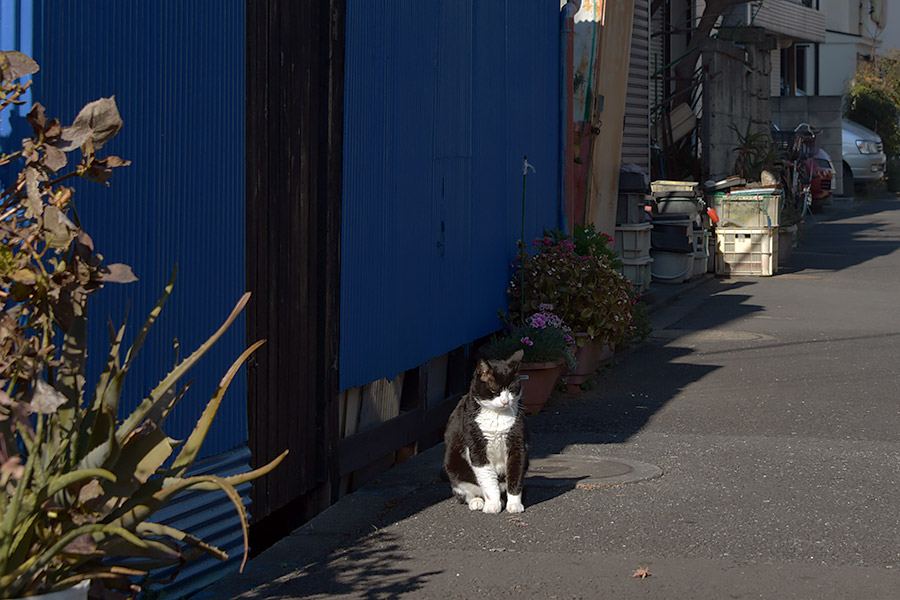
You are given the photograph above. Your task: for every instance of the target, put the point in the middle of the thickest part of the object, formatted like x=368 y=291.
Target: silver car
x=863 y=155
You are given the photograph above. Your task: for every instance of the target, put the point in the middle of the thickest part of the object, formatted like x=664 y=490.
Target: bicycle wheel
x=804 y=195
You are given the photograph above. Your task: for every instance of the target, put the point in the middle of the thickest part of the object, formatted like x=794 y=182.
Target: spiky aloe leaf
x=192 y=446
x=112 y=363
x=139 y=513
x=18 y=550
x=103 y=445
x=158 y=529
x=70 y=380
x=91 y=429
x=151 y=318
x=161 y=409
x=63 y=481
x=15 y=581
x=145 y=451
x=110 y=572
x=234 y=480
x=159 y=393
x=11 y=515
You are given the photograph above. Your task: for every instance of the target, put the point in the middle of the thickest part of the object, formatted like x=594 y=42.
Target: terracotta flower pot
x=538 y=381
x=589 y=358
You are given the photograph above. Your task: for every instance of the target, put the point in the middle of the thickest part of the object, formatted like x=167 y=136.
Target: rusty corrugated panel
x=177 y=71
x=442 y=102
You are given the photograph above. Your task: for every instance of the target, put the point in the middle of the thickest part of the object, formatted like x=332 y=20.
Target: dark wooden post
x=294 y=129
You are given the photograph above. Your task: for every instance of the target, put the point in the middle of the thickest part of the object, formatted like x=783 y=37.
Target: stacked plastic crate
x=678 y=243
x=632 y=239
x=747 y=231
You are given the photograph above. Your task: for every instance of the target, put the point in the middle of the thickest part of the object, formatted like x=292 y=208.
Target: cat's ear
x=483 y=370
x=517 y=356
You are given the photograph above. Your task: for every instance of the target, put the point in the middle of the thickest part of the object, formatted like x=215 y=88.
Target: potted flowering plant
x=548 y=349
x=585 y=290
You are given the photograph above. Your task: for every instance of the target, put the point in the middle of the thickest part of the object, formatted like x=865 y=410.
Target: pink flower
x=527 y=341
x=538 y=321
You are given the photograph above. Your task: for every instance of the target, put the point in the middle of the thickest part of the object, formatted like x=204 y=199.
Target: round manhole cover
x=562 y=470
x=709 y=335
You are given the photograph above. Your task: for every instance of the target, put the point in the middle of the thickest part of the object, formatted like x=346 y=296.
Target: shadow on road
x=837 y=240
x=631 y=391
x=370 y=566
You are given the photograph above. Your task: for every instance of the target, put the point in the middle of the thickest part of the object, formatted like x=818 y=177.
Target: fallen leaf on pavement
x=642 y=573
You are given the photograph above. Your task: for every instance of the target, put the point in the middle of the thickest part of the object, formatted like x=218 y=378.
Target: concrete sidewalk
x=748 y=450
x=370 y=507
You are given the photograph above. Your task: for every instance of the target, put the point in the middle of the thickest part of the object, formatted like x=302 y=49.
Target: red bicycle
x=799 y=146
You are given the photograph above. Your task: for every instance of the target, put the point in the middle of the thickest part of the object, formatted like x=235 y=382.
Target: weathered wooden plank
x=356 y=451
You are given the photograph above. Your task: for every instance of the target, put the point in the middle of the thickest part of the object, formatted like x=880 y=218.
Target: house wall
x=837 y=63
x=823 y=113
x=443 y=102
x=851 y=34
x=732 y=95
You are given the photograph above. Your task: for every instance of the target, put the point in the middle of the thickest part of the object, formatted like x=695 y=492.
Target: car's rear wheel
x=848 y=181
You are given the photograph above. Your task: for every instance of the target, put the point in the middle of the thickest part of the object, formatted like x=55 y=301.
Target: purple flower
x=538 y=321
x=527 y=341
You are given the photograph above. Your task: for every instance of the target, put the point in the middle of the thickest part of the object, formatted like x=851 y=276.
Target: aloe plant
x=78 y=499
x=79 y=484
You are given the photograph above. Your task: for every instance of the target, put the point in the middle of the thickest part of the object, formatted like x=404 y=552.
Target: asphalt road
x=772 y=407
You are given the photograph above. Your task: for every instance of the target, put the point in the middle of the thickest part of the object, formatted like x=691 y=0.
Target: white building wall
x=837 y=64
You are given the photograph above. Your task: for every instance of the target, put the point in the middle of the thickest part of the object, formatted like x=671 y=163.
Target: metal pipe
x=566 y=115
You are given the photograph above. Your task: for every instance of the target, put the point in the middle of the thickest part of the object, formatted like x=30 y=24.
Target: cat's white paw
x=515 y=507
x=492 y=507
x=476 y=504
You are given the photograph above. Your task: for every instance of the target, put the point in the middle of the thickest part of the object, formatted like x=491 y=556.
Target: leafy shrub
x=585 y=290
x=873 y=100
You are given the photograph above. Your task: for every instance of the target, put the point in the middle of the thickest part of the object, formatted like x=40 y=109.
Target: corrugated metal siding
x=636 y=137
x=177 y=71
x=212 y=517
x=442 y=101
x=789 y=19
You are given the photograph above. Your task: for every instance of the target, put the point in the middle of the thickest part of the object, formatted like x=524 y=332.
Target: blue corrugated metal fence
x=442 y=101
x=176 y=68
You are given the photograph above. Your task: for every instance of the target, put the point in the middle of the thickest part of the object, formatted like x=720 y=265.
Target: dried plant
x=78 y=482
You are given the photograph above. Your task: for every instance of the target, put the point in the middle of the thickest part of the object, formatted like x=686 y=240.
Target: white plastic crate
x=747 y=251
x=745 y=209
x=637 y=270
x=674 y=186
x=632 y=241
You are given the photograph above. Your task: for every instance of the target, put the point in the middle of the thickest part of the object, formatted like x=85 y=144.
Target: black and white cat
x=487 y=439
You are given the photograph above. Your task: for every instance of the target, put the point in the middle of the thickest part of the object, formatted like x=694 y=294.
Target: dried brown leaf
x=55 y=158
x=36 y=118
x=83 y=544
x=641 y=573
x=46 y=400
x=117 y=273
x=98 y=121
x=14 y=65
